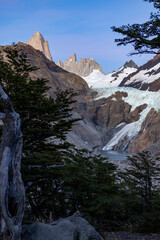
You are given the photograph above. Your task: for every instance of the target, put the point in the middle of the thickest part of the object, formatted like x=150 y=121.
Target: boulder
x=41 y=231
x=84 y=229
x=72 y=228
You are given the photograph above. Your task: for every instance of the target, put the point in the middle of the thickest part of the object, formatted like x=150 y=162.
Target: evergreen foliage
x=141 y=186
x=145 y=38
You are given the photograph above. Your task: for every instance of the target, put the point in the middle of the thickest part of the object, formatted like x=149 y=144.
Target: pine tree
x=145 y=38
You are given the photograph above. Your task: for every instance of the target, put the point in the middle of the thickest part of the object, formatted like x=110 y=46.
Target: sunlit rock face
x=39 y=43
x=82 y=68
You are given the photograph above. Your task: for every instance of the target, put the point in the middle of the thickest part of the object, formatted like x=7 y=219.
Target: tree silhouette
x=145 y=38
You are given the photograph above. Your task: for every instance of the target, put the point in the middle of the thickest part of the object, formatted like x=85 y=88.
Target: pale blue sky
x=80 y=26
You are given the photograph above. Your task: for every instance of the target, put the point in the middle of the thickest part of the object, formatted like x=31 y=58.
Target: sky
x=75 y=26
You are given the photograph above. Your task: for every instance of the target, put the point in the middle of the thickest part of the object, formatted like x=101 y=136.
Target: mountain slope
x=83 y=133
x=98 y=80
x=147 y=77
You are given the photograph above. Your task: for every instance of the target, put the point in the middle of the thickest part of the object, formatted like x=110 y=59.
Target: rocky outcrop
x=82 y=68
x=149 y=132
x=40 y=231
x=39 y=43
x=72 y=228
x=130 y=64
x=147 y=77
x=84 y=229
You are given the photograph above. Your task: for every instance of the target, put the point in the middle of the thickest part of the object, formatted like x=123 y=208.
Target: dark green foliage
x=84 y=182
x=141 y=186
x=145 y=38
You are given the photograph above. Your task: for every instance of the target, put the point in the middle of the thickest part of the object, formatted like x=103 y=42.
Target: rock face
x=38 y=42
x=58 y=78
x=72 y=228
x=149 y=132
x=82 y=68
x=114 y=118
x=147 y=77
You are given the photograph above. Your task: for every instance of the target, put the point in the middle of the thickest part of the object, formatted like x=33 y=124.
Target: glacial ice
x=135 y=98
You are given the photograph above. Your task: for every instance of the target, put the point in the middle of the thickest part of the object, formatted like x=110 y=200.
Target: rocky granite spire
x=82 y=68
x=39 y=43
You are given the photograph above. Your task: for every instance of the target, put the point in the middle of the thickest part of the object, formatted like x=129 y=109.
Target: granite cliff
x=82 y=68
x=38 y=42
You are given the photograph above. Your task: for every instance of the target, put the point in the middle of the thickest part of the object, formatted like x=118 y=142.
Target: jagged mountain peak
x=73 y=58
x=38 y=42
x=147 y=77
x=130 y=64
x=39 y=35
x=83 y=68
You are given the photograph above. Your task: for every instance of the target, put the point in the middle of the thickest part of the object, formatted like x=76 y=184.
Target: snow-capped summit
x=98 y=80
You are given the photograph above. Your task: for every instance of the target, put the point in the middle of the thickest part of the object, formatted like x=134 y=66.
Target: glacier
x=135 y=98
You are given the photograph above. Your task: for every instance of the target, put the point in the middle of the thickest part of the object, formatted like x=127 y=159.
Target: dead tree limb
x=12 y=192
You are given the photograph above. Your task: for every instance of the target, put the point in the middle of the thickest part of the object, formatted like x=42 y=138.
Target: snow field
x=98 y=80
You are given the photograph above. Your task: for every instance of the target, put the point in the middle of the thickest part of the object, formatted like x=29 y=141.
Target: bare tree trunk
x=12 y=194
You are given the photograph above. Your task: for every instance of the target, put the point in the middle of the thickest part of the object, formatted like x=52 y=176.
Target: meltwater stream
x=115 y=155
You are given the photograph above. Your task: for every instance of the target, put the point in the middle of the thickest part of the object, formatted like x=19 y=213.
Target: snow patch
x=145 y=76
x=99 y=80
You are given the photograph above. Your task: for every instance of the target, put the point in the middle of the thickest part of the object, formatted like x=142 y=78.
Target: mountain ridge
x=83 y=67
x=147 y=76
